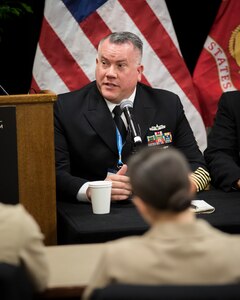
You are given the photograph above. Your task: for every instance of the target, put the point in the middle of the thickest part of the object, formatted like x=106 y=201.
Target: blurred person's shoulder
x=17 y=214
x=7 y=210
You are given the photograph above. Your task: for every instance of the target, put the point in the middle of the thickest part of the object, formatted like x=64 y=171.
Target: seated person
x=22 y=243
x=178 y=248
x=87 y=145
x=223 y=151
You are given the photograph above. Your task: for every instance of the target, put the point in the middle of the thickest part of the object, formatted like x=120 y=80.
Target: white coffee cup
x=100 y=196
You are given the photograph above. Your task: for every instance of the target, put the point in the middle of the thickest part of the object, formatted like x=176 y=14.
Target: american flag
x=67 y=48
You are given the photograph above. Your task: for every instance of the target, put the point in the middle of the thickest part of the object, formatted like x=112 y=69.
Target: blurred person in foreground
x=178 y=248
x=22 y=243
x=223 y=151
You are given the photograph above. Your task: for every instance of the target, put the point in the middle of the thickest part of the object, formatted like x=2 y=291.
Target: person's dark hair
x=123 y=37
x=160 y=177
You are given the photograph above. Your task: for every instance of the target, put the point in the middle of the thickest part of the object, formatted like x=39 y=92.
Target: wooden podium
x=35 y=158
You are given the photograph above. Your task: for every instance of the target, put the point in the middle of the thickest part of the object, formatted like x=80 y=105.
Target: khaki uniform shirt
x=170 y=253
x=22 y=241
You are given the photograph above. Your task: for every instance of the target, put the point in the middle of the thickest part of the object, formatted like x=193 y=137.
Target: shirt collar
x=112 y=105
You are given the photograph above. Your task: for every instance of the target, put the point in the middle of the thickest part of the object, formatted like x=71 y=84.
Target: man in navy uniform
x=87 y=144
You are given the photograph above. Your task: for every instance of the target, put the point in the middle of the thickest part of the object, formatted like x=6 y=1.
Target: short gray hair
x=123 y=37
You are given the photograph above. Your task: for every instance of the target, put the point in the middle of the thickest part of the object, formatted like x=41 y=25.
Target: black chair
x=15 y=283
x=167 y=292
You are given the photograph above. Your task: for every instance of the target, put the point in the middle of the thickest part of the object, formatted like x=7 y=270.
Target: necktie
x=119 y=122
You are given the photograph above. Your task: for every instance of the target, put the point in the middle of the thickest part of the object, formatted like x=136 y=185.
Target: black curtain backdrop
x=192 y=20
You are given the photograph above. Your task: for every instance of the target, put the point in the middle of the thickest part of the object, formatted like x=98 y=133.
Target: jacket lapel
x=100 y=118
x=143 y=111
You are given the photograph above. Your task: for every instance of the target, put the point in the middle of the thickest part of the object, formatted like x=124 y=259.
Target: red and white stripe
x=66 y=52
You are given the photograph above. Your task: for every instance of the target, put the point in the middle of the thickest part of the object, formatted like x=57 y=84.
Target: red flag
x=67 y=48
x=218 y=67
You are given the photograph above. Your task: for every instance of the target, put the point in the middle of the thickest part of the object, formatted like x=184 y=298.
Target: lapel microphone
x=126 y=106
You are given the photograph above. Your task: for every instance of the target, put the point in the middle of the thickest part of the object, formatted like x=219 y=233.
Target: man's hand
x=193 y=189
x=121 y=188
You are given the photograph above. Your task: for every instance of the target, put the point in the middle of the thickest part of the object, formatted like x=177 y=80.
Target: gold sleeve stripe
x=201 y=178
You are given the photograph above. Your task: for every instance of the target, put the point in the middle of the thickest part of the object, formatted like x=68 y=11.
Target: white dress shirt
x=81 y=195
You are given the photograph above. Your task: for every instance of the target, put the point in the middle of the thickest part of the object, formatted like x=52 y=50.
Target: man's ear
x=140 y=71
x=148 y=213
x=142 y=208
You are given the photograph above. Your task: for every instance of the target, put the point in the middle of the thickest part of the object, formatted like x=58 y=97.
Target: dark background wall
x=192 y=20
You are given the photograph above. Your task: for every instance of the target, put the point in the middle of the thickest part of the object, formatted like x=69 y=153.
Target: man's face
x=117 y=70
